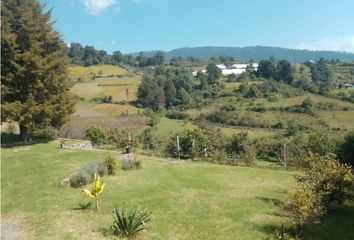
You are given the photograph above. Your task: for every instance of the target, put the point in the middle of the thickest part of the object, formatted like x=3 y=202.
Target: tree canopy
x=34 y=83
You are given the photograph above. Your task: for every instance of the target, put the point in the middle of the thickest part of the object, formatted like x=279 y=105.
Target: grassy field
x=76 y=72
x=108 y=86
x=187 y=200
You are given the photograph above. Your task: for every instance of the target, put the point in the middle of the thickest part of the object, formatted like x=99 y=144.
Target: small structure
x=348 y=86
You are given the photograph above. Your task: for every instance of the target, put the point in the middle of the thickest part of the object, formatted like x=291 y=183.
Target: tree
x=117 y=57
x=76 y=53
x=214 y=73
x=322 y=74
x=284 y=72
x=170 y=93
x=34 y=83
x=147 y=92
x=266 y=69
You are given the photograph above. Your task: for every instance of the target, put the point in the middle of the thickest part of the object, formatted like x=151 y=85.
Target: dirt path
x=10 y=229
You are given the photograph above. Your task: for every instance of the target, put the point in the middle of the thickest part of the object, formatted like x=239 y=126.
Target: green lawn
x=187 y=200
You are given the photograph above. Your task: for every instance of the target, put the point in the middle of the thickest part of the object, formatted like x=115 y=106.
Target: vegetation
x=323 y=182
x=112 y=165
x=129 y=221
x=96 y=189
x=34 y=83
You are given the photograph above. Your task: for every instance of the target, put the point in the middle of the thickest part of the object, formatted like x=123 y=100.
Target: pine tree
x=34 y=83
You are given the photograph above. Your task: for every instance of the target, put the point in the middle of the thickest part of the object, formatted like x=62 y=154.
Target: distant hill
x=255 y=53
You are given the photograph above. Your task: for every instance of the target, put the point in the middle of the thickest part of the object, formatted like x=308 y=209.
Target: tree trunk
x=24 y=133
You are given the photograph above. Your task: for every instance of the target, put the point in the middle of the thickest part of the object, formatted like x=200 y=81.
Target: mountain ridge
x=255 y=53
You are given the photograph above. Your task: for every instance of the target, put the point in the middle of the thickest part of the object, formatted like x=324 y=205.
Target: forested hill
x=256 y=53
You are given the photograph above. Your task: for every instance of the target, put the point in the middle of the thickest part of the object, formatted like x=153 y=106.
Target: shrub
x=192 y=142
x=150 y=140
x=80 y=179
x=177 y=115
x=86 y=173
x=96 y=134
x=249 y=154
x=118 y=137
x=112 y=165
x=346 y=149
x=323 y=181
x=236 y=144
x=322 y=144
x=129 y=221
x=138 y=163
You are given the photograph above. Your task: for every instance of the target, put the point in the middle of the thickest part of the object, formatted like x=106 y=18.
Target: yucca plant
x=97 y=188
x=129 y=221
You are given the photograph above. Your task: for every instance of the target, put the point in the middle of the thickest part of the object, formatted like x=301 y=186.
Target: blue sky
x=135 y=25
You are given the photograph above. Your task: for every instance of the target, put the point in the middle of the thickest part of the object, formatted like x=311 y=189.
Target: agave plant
x=129 y=221
x=97 y=188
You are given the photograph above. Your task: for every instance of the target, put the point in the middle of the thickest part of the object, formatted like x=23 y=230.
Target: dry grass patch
x=107 y=109
x=76 y=72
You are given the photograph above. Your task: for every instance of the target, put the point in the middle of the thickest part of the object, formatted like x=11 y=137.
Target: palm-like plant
x=129 y=221
x=97 y=188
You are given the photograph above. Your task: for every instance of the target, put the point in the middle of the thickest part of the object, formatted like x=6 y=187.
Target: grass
x=108 y=109
x=108 y=86
x=76 y=72
x=167 y=127
x=189 y=200
x=253 y=133
x=200 y=201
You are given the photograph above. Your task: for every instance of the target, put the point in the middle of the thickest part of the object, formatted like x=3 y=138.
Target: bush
x=236 y=144
x=96 y=134
x=129 y=221
x=192 y=142
x=80 y=179
x=322 y=144
x=150 y=140
x=118 y=137
x=323 y=181
x=86 y=173
x=346 y=149
x=177 y=115
x=112 y=165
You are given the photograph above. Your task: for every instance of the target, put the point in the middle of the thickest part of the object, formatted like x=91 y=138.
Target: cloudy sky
x=135 y=25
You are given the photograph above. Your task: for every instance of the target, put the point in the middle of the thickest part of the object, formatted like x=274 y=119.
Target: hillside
x=255 y=53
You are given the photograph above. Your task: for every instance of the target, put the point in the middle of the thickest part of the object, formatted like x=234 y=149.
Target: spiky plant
x=129 y=221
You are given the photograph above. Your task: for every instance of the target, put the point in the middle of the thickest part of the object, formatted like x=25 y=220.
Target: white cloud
x=339 y=43
x=113 y=42
x=95 y=7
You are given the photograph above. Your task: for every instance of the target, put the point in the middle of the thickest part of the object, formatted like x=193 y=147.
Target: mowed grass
x=187 y=200
x=191 y=200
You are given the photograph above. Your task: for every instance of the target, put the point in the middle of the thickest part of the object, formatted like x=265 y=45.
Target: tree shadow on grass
x=273 y=201
x=338 y=224
x=10 y=140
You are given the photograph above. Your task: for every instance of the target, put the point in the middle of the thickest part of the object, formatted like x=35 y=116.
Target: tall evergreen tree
x=34 y=83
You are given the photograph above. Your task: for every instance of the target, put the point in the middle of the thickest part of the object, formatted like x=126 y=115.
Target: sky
x=143 y=25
